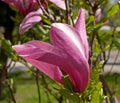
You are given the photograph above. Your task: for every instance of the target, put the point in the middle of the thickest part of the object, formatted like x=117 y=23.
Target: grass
x=26 y=90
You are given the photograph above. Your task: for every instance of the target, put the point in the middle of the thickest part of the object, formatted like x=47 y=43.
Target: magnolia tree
x=64 y=40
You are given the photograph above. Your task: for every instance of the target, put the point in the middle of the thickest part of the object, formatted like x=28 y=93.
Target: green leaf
x=67 y=83
x=72 y=97
x=96 y=94
x=6 y=46
x=46 y=20
x=97 y=48
x=95 y=73
x=96 y=27
x=116 y=42
x=113 y=10
x=90 y=20
x=94 y=89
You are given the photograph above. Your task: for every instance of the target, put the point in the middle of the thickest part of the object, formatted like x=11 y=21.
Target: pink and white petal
x=30 y=20
x=41 y=51
x=66 y=38
x=33 y=52
x=80 y=26
x=59 y=3
x=79 y=76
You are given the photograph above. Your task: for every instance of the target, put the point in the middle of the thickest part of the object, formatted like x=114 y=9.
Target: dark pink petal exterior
x=59 y=3
x=30 y=20
x=35 y=52
x=24 y=6
x=80 y=26
x=65 y=37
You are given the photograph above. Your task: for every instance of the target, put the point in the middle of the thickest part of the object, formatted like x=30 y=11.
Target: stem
x=47 y=13
x=47 y=88
x=11 y=92
x=109 y=52
x=91 y=49
x=9 y=86
x=67 y=11
x=38 y=86
x=60 y=99
x=105 y=85
x=71 y=13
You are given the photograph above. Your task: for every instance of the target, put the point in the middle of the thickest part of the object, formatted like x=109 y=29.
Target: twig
x=38 y=86
x=11 y=92
x=46 y=12
x=105 y=85
x=67 y=11
x=47 y=88
x=71 y=13
x=7 y=82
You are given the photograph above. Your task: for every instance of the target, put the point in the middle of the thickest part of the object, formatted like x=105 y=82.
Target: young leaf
x=113 y=10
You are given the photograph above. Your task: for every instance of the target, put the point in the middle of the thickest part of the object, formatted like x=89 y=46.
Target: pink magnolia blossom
x=67 y=52
x=27 y=8
x=24 y=6
x=34 y=17
x=31 y=19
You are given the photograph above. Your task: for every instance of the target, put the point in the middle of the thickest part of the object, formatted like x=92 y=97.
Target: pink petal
x=50 y=70
x=59 y=3
x=116 y=100
x=78 y=74
x=66 y=38
x=30 y=20
x=24 y=6
x=41 y=51
x=80 y=26
x=36 y=53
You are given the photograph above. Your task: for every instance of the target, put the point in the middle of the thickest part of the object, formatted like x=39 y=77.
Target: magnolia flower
x=67 y=52
x=24 y=6
x=34 y=17
x=31 y=19
x=27 y=8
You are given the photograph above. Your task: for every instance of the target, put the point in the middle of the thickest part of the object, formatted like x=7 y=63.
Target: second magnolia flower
x=67 y=52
